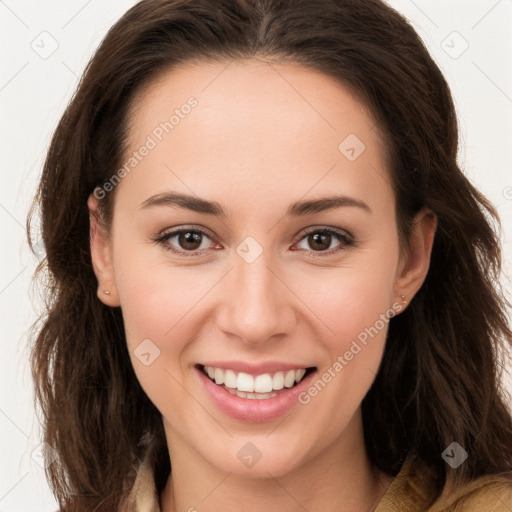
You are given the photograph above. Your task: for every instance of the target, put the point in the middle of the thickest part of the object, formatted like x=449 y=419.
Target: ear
x=101 y=256
x=415 y=259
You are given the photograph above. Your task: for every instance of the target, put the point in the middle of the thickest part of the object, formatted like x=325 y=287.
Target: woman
x=271 y=284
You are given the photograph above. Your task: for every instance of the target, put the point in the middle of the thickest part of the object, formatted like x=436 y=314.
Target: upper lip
x=255 y=368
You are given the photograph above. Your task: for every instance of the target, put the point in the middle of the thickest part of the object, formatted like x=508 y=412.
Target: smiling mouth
x=262 y=386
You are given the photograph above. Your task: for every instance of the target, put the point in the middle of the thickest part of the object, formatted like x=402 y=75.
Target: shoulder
x=414 y=490
x=410 y=491
x=491 y=493
x=143 y=496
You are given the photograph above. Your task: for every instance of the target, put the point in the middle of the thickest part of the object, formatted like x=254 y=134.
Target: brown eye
x=189 y=240
x=319 y=241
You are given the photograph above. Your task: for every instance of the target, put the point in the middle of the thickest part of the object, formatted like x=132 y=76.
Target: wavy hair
x=439 y=380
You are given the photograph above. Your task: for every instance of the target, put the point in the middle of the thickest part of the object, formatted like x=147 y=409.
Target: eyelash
x=346 y=240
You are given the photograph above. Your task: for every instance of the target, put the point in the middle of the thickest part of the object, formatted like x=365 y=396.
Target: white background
x=35 y=90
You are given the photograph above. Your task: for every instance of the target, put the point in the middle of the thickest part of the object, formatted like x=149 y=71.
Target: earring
x=401 y=296
x=106 y=292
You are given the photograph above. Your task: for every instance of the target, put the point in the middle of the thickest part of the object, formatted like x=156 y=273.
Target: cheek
x=347 y=301
x=354 y=305
x=160 y=303
x=160 y=307
x=356 y=309
x=165 y=304
x=154 y=292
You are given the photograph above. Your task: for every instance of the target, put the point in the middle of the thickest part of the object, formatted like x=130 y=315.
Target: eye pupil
x=188 y=238
x=319 y=239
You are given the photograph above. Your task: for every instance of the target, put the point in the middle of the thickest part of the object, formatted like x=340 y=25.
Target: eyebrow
x=296 y=209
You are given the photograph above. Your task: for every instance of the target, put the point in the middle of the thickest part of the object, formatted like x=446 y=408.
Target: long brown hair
x=439 y=379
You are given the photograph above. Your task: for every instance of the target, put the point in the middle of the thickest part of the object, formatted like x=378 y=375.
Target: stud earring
x=401 y=296
x=106 y=292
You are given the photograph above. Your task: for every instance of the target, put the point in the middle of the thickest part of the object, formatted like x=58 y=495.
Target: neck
x=339 y=477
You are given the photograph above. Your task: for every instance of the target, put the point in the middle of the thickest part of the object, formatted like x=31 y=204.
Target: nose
x=258 y=304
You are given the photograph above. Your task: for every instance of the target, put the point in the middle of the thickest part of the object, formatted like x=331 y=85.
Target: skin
x=261 y=137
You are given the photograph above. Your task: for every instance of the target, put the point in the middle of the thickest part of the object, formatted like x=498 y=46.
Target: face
x=255 y=239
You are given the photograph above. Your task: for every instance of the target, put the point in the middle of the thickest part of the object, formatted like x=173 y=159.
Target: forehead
x=272 y=126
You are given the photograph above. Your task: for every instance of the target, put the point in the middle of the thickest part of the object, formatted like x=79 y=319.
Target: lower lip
x=255 y=410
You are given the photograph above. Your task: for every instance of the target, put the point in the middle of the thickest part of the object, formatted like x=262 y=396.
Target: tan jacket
x=410 y=491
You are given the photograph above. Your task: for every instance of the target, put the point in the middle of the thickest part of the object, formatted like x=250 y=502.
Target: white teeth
x=245 y=384
x=230 y=379
x=263 y=383
x=299 y=374
x=289 y=380
x=219 y=376
x=278 y=381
